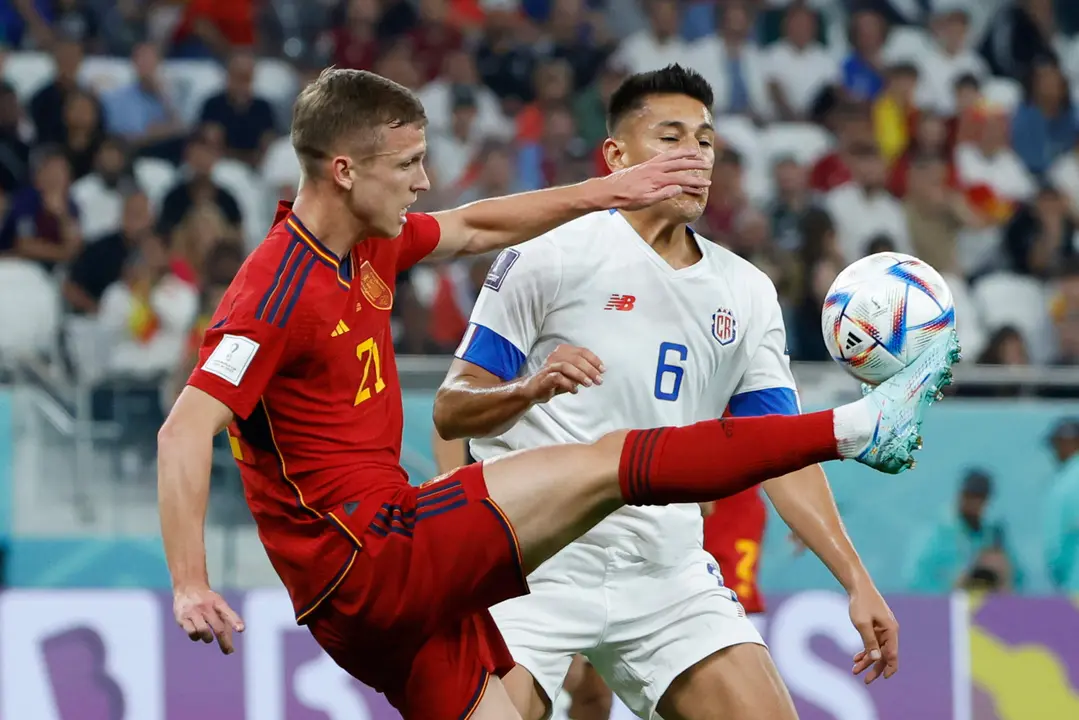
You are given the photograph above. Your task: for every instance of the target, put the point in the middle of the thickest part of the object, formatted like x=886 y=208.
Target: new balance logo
x=620 y=302
x=341 y=329
x=852 y=340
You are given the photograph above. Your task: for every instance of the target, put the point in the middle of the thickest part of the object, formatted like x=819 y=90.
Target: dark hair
x=222 y=262
x=814 y=226
x=729 y=156
x=346 y=107
x=671 y=80
x=967 y=80
x=880 y=243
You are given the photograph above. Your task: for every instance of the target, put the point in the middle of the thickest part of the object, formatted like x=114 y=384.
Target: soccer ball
x=882 y=311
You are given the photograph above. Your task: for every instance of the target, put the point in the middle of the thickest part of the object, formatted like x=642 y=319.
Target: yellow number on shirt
x=367 y=353
x=748 y=551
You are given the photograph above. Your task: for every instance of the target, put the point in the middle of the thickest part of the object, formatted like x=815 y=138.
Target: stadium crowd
x=144 y=144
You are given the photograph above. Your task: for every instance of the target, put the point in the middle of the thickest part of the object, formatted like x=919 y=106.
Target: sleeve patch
x=500 y=268
x=231 y=358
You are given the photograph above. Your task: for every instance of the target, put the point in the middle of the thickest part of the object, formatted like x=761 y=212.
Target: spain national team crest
x=724 y=326
x=374 y=289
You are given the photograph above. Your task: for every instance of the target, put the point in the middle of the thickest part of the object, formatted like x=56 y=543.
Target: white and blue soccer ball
x=882 y=312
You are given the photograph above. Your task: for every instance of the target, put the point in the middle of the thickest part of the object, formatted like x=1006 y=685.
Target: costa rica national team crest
x=724 y=326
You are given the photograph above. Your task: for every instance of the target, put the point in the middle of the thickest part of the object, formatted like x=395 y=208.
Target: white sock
x=854 y=425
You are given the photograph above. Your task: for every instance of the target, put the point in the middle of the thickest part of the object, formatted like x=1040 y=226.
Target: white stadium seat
x=1005 y=298
x=155 y=177
x=251 y=195
x=805 y=142
x=30 y=311
x=28 y=72
x=1003 y=92
x=968 y=317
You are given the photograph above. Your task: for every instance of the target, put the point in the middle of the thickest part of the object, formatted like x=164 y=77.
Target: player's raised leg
x=553 y=495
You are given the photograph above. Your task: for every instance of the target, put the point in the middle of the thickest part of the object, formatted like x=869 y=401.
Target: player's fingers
x=696 y=166
x=675 y=155
x=189 y=628
x=574 y=373
x=591 y=370
x=594 y=359
x=214 y=620
x=229 y=616
x=201 y=630
x=862 y=662
x=688 y=180
x=874 y=672
x=869 y=639
x=556 y=384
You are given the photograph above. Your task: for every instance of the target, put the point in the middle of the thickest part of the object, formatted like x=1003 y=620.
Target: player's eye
x=669 y=139
x=706 y=143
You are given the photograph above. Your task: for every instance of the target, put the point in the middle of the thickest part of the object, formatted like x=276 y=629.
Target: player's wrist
x=599 y=194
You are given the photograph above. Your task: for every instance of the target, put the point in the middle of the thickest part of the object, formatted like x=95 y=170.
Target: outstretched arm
x=496 y=223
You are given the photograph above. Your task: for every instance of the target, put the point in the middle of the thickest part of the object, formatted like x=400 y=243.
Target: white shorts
x=640 y=623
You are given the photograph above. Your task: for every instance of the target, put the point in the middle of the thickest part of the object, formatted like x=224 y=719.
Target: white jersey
x=679 y=346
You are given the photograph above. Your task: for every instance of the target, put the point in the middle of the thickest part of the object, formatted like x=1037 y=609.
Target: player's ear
x=615 y=154
x=341 y=172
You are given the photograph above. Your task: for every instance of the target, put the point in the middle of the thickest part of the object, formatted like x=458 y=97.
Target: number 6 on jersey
x=668 y=373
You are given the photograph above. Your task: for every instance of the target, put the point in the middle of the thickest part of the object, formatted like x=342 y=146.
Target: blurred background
x=143 y=146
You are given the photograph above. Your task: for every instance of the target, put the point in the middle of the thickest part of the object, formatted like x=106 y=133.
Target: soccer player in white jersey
x=677 y=330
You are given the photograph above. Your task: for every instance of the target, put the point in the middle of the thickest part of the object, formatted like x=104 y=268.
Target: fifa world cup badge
x=724 y=326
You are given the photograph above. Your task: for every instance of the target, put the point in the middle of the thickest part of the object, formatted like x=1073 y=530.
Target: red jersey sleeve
x=248 y=341
x=418 y=239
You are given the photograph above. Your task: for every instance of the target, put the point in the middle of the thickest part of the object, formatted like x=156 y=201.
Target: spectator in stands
x=863 y=69
x=819 y=263
x=1064 y=175
x=100 y=195
x=1064 y=313
x=42 y=223
x=494 y=173
x=14 y=151
x=1061 y=521
x=590 y=107
x=989 y=162
x=433 y=37
x=397 y=64
x=196 y=188
x=790 y=201
x=202 y=229
x=144 y=113
x=1044 y=127
x=505 y=61
x=930 y=138
x=965 y=546
x=734 y=65
x=726 y=199
x=894 y=112
x=245 y=120
x=451 y=153
x=145 y=316
x=214 y=28
x=935 y=213
x=553 y=84
x=964 y=124
x=83 y=133
x=75 y=20
x=1020 y=33
x=948 y=58
x=1005 y=347
x=458 y=285
x=460 y=69
x=852 y=126
x=797 y=67
x=880 y=244
x=355 y=39
x=101 y=263
x=1041 y=235
x=558 y=154
x=659 y=44
x=47 y=105
x=123 y=26
x=863 y=207
x=578 y=38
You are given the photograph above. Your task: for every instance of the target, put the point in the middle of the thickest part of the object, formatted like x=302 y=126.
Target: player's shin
x=718 y=458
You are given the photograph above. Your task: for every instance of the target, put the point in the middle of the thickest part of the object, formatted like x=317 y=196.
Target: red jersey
x=300 y=351
x=733 y=534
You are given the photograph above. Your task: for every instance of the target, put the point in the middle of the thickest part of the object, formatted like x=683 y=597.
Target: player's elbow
x=445 y=416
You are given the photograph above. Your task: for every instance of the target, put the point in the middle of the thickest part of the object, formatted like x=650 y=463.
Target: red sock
x=714 y=459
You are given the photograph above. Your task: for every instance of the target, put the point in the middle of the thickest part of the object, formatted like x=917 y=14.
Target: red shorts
x=733 y=534
x=410 y=619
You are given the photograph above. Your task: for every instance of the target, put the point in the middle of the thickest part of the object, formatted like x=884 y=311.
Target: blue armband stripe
x=493 y=353
x=770 y=401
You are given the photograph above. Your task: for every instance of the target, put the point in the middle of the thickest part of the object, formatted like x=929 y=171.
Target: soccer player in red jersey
x=733 y=533
x=394 y=581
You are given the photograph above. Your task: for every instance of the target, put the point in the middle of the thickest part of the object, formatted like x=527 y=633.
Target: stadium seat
x=195 y=81
x=28 y=72
x=277 y=82
x=742 y=135
x=30 y=311
x=251 y=195
x=155 y=177
x=104 y=74
x=1003 y=92
x=968 y=318
x=1005 y=298
x=906 y=44
x=805 y=142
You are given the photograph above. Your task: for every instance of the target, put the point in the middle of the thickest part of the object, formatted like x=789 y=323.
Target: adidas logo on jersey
x=620 y=302
x=341 y=329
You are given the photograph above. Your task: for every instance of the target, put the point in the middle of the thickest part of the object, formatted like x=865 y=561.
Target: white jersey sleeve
x=520 y=287
x=767 y=387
